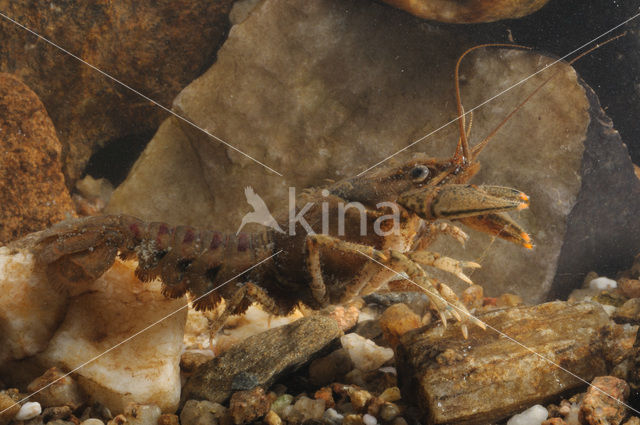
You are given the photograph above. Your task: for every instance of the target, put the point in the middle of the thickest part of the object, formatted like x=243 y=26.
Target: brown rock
x=168 y=419
x=598 y=408
x=33 y=194
x=629 y=287
x=260 y=359
x=156 y=47
x=8 y=406
x=500 y=376
x=396 y=321
x=298 y=121
x=629 y=312
x=53 y=391
x=247 y=406
x=554 y=421
x=467 y=12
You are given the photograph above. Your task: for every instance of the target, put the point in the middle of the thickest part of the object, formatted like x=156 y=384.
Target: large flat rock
x=329 y=89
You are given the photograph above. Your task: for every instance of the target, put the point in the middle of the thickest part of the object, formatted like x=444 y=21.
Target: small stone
x=332 y=416
x=191 y=359
x=630 y=287
x=472 y=296
x=554 y=421
x=9 y=408
x=389 y=411
x=168 y=419
x=629 y=312
x=57 y=412
x=359 y=398
x=509 y=300
x=532 y=416
x=391 y=394
x=346 y=318
x=53 y=388
x=364 y=353
x=400 y=421
x=281 y=403
x=309 y=408
x=202 y=412
x=396 y=321
x=272 y=418
x=142 y=414
x=369 y=420
x=325 y=394
x=325 y=370
x=353 y=419
x=598 y=407
x=29 y=410
x=634 y=420
x=92 y=421
x=247 y=406
x=603 y=284
x=118 y=420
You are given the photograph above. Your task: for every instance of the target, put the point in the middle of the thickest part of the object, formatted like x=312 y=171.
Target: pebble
x=603 y=283
x=629 y=312
x=630 y=287
x=8 y=408
x=272 y=418
x=328 y=369
x=598 y=407
x=397 y=320
x=202 y=412
x=29 y=410
x=309 y=408
x=369 y=420
x=332 y=416
x=554 y=421
x=168 y=419
x=389 y=411
x=365 y=354
x=281 y=403
x=391 y=394
x=55 y=389
x=353 y=420
x=92 y=421
x=57 y=412
x=534 y=415
x=247 y=406
x=142 y=414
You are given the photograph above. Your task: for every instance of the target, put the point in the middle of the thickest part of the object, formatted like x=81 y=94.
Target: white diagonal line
x=136 y=334
x=191 y=123
x=500 y=94
x=435 y=293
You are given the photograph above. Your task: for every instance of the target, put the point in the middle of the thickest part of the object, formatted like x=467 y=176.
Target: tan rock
x=33 y=194
x=500 y=375
x=55 y=389
x=598 y=407
x=468 y=12
x=397 y=320
x=156 y=47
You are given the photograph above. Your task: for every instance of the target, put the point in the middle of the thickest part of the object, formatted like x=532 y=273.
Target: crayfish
x=398 y=215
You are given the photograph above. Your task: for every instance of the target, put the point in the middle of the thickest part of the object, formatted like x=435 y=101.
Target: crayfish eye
x=419 y=173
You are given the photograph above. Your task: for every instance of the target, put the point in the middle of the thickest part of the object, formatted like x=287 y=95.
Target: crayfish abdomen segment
x=186 y=259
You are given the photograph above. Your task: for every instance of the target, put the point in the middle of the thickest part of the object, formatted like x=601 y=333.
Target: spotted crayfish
x=313 y=269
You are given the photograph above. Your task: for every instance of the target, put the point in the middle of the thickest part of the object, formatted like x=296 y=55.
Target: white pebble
x=534 y=415
x=388 y=369
x=92 y=421
x=29 y=410
x=609 y=309
x=332 y=416
x=364 y=353
x=369 y=420
x=602 y=283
